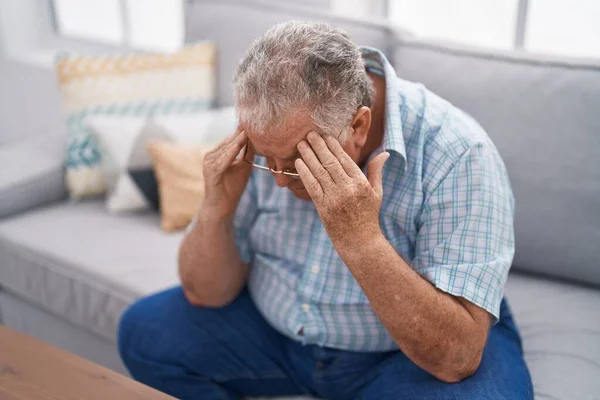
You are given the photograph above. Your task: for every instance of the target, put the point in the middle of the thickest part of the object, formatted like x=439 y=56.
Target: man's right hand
x=225 y=177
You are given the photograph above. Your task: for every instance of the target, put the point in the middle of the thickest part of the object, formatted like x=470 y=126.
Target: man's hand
x=447 y=334
x=347 y=201
x=225 y=177
x=212 y=274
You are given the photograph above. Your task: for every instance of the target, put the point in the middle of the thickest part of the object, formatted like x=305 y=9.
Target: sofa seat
x=79 y=263
x=560 y=327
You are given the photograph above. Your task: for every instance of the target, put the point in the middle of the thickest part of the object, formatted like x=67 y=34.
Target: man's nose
x=282 y=180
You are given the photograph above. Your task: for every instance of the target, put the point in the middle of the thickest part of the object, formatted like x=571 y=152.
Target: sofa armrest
x=31 y=174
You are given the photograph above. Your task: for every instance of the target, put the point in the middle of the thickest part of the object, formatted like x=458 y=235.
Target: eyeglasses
x=274 y=171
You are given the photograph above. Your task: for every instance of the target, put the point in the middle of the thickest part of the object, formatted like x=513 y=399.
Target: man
x=372 y=224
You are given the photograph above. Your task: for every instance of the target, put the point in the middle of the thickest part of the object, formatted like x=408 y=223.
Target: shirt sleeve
x=465 y=235
x=243 y=221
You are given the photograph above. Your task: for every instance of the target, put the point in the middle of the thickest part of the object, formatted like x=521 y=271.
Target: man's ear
x=360 y=126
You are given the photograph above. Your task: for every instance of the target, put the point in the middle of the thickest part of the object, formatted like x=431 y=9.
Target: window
x=352 y=7
x=145 y=24
x=555 y=27
x=558 y=27
x=569 y=27
x=489 y=23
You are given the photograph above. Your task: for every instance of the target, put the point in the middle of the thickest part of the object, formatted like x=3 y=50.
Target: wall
x=29 y=101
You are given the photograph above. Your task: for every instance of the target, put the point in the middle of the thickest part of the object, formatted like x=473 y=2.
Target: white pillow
x=204 y=128
x=125 y=161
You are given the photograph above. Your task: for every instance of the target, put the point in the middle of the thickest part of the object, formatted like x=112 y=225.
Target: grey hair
x=302 y=66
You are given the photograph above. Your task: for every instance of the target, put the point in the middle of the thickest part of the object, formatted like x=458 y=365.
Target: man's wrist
x=215 y=213
x=357 y=247
x=209 y=220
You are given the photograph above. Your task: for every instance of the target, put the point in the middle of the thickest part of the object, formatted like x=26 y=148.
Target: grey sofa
x=69 y=269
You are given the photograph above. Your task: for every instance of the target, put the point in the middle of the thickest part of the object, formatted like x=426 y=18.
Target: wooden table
x=31 y=369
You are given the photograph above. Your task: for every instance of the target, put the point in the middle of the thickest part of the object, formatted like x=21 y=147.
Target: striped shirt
x=447 y=210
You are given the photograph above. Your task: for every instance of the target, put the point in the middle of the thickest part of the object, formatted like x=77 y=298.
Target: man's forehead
x=281 y=147
x=279 y=141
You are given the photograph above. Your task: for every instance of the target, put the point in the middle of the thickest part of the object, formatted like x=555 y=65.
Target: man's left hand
x=347 y=201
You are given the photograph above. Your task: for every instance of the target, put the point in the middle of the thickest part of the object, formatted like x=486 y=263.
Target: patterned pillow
x=126 y=163
x=127 y=85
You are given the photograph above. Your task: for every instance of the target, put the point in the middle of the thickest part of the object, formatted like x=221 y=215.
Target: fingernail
x=312 y=135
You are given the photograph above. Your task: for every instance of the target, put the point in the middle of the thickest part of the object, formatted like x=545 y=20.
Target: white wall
x=24 y=24
x=30 y=103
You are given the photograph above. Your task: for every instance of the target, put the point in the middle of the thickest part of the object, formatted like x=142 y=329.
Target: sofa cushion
x=127 y=168
x=31 y=173
x=80 y=262
x=544 y=117
x=180 y=175
x=233 y=24
x=560 y=327
x=132 y=84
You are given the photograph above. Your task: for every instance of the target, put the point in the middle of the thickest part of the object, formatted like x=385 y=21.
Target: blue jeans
x=232 y=352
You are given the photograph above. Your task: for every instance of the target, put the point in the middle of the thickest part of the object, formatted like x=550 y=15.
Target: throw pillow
x=131 y=85
x=205 y=127
x=125 y=162
x=180 y=179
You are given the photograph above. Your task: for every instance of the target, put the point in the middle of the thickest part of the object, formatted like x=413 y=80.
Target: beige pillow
x=178 y=170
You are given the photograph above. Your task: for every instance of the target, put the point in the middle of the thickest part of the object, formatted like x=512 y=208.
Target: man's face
x=278 y=146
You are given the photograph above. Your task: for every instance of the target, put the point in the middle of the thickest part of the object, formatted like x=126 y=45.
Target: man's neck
x=377 y=128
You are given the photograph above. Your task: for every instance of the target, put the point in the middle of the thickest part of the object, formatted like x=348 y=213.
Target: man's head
x=301 y=77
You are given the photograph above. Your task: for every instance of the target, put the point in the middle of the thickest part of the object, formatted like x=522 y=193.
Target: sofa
x=68 y=268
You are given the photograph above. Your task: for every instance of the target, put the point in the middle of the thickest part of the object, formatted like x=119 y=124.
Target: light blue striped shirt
x=447 y=210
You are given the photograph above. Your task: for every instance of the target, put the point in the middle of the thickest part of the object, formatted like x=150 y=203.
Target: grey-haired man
x=372 y=225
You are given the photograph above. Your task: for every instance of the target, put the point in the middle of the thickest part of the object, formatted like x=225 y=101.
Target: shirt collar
x=393 y=137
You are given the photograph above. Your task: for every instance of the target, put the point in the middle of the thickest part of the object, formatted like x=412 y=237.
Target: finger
x=230 y=151
x=375 y=172
x=328 y=160
x=223 y=146
x=314 y=165
x=345 y=160
x=312 y=185
x=248 y=152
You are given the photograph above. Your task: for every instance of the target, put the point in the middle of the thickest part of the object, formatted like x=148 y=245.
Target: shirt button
x=315 y=269
x=305 y=307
